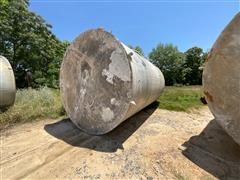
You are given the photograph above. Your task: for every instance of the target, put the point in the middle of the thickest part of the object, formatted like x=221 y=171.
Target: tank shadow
x=214 y=151
x=66 y=131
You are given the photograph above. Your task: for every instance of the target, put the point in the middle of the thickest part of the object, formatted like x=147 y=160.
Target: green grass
x=181 y=98
x=33 y=104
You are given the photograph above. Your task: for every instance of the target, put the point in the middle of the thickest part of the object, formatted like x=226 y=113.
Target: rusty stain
x=209 y=96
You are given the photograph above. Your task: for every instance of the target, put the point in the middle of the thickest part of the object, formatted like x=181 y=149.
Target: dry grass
x=33 y=104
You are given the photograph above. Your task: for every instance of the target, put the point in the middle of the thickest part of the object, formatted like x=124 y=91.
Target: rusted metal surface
x=221 y=79
x=208 y=96
x=103 y=82
x=7 y=83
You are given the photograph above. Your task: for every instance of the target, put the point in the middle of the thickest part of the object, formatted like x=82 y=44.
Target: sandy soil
x=154 y=144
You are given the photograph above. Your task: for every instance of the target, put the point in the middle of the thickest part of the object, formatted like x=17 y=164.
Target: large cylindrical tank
x=103 y=82
x=221 y=79
x=7 y=83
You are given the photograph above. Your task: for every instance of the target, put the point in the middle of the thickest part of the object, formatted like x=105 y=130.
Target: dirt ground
x=153 y=144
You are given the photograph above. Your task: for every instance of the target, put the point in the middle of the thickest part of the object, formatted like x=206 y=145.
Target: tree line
x=27 y=41
x=30 y=46
x=179 y=68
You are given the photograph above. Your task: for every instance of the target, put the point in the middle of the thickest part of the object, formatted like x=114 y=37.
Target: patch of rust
x=209 y=96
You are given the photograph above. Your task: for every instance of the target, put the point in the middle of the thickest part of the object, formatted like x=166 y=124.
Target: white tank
x=221 y=79
x=103 y=82
x=7 y=83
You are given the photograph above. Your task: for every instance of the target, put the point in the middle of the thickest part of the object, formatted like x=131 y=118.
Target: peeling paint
x=133 y=103
x=109 y=76
x=107 y=114
x=83 y=92
x=103 y=83
x=117 y=67
x=129 y=95
x=76 y=108
x=115 y=102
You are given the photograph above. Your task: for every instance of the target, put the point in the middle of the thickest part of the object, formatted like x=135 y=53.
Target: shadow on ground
x=214 y=151
x=66 y=131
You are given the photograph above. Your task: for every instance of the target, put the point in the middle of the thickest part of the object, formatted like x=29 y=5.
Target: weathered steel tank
x=103 y=82
x=7 y=83
x=221 y=79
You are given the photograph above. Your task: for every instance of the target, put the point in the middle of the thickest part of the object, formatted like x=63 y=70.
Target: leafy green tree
x=192 y=71
x=170 y=61
x=52 y=79
x=27 y=41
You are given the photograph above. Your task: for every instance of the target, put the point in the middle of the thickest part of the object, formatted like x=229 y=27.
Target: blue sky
x=145 y=23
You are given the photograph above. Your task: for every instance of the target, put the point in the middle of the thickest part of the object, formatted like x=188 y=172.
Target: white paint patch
x=115 y=102
x=129 y=95
x=107 y=114
x=118 y=67
x=83 y=92
x=109 y=76
x=133 y=103
x=85 y=75
x=76 y=108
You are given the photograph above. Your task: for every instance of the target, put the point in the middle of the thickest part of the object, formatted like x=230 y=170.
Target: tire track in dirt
x=43 y=154
x=147 y=146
